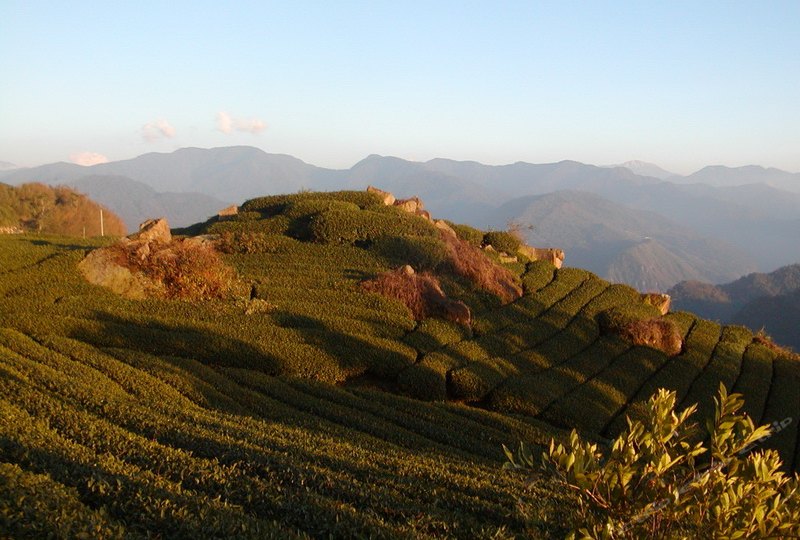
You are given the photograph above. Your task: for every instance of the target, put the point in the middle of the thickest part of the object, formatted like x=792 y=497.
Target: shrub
x=471 y=235
x=275 y=204
x=656 y=481
x=348 y=227
x=502 y=241
x=273 y=225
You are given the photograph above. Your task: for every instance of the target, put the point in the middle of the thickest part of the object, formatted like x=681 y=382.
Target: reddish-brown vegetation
x=658 y=334
x=471 y=263
x=180 y=269
x=420 y=292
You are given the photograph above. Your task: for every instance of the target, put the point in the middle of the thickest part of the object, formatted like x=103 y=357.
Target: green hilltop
x=299 y=402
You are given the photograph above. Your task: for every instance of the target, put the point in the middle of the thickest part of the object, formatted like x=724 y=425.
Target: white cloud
x=88 y=158
x=224 y=122
x=227 y=124
x=157 y=129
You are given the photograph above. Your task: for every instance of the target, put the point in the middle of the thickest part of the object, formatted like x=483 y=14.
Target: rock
x=412 y=205
x=505 y=258
x=205 y=240
x=553 y=255
x=388 y=198
x=153 y=230
x=661 y=301
x=101 y=267
x=11 y=230
x=407 y=270
x=228 y=212
x=445 y=228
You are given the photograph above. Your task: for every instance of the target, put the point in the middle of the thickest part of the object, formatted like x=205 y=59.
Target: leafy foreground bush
x=658 y=481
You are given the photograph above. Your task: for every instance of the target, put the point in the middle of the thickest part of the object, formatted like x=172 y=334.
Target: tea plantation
x=308 y=407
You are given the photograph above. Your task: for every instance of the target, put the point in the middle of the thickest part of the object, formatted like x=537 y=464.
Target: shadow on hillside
x=161 y=339
x=301 y=346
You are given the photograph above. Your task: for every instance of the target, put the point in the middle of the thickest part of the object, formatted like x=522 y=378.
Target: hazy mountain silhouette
x=643 y=168
x=757 y=300
x=757 y=219
x=718 y=175
x=135 y=202
x=637 y=247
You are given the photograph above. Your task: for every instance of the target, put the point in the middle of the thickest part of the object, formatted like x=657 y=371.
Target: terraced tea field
x=310 y=406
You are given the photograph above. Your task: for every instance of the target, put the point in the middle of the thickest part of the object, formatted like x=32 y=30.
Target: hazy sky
x=681 y=84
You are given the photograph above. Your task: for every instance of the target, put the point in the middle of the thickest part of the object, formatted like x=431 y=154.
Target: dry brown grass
x=420 y=292
x=471 y=263
x=186 y=269
x=658 y=334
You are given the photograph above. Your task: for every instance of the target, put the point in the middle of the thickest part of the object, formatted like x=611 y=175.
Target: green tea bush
x=537 y=275
x=308 y=207
x=432 y=334
x=474 y=381
x=423 y=253
x=247 y=216
x=349 y=227
x=272 y=225
x=755 y=379
x=502 y=241
x=723 y=368
x=656 y=481
x=252 y=242
x=471 y=235
x=427 y=379
x=276 y=204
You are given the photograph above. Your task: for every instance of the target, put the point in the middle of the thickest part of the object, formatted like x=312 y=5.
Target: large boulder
x=153 y=230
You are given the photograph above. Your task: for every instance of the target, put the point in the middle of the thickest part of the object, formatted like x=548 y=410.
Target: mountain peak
x=644 y=168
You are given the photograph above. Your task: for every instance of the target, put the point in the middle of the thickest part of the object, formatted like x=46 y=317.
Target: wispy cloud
x=228 y=124
x=88 y=158
x=157 y=129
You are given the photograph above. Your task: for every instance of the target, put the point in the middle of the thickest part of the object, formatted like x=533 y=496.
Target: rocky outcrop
x=412 y=205
x=153 y=230
x=553 y=255
x=228 y=212
x=150 y=263
x=387 y=198
x=659 y=300
x=445 y=228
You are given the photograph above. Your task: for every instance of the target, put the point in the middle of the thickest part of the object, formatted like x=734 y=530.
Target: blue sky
x=681 y=84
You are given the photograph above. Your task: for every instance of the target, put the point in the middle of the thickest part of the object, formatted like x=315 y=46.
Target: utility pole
x=102 y=229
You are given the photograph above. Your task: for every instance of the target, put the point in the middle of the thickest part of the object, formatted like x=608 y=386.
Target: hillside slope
x=55 y=210
x=306 y=405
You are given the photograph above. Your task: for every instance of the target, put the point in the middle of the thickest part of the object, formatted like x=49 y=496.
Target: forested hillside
x=55 y=210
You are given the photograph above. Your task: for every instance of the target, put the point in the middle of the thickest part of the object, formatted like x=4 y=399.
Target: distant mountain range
x=636 y=227
x=770 y=301
x=643 y=168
